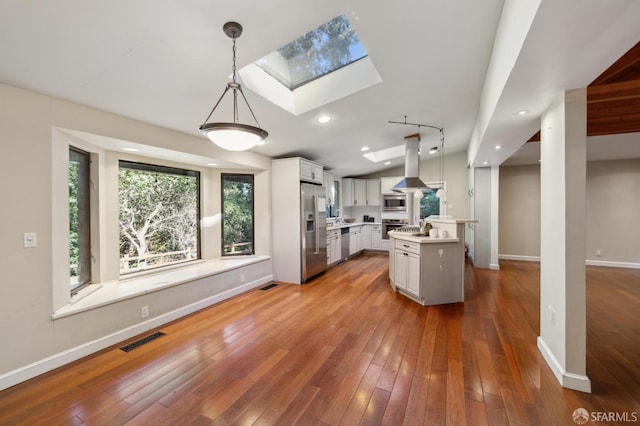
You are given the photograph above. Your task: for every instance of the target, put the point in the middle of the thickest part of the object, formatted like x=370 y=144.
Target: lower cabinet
x=356 y=239
x=334 y=247
x=406 y=268
x=376 y=237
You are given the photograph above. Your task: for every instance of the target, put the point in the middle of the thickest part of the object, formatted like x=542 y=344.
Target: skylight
x=319 y=52
x=385 y=154
x=319 y=67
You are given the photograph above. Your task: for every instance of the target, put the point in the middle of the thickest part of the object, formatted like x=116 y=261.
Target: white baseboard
x=518 y=257
x=27 y=372
x=494 y=266
x=613 y=264
x=568 y=380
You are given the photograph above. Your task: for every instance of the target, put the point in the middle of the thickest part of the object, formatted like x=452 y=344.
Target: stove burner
x=408 y=228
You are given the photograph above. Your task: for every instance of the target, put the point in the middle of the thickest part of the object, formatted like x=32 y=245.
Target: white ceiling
x=167 y=62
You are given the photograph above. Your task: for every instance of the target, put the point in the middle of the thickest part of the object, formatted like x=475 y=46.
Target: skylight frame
x=342 y=82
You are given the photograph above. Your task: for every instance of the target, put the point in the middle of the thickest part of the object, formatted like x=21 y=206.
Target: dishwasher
x=344 y=243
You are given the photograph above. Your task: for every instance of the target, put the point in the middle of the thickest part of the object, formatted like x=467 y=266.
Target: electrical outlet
x=598 y=253
x=552 y=315
x=30 y=240
x=144 y=311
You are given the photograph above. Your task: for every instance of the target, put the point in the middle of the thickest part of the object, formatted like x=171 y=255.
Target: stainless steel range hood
x=411 y=181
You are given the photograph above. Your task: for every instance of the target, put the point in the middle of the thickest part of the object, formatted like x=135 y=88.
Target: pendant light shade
x=233 y=136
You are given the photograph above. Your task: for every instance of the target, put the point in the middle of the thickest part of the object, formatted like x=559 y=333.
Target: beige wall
x=613 y=208
x=519 y=211
x=32 y=200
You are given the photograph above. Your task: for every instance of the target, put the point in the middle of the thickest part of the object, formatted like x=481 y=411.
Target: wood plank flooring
x=346 y=350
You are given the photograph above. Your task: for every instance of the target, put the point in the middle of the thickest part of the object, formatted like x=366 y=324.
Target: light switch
x=30 y=240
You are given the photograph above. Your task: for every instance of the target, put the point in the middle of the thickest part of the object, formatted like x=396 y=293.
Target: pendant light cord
x=235 y=87
x=233 y=68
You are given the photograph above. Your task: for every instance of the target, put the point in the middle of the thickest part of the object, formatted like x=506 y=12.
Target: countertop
x=449 y=219
x=406 y=236
x=349 y=225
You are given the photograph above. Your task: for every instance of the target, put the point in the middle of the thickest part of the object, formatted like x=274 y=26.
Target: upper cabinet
x=387 y=183
x=361 y=192
x=373 y=192
x=310 y=172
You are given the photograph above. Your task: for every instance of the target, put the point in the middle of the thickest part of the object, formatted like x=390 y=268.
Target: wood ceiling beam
x=613 y=92
x=625 y=68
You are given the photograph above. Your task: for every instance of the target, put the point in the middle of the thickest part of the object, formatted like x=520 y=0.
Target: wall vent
x=270 y=286
x=140 y=342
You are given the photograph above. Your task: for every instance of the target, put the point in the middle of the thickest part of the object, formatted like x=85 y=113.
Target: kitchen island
x=429 y=270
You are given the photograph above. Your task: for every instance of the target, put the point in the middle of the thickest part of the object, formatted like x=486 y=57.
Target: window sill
x=101 y=294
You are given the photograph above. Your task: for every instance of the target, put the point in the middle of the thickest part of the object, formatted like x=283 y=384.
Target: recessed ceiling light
x=522 y=112
x=364 y=148
x=498 y=146
x=212 y=164
x=485 y=163
x=131 y=149
x=433 y=150
x=386 y=163
x=323 y=119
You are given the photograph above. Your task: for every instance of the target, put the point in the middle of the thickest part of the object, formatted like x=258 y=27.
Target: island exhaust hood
x=411 y=181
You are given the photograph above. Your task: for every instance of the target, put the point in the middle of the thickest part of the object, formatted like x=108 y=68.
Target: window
x=237 y=215
x=319 y=52
x=159 y=216
x=430 y=202
x=79 y=219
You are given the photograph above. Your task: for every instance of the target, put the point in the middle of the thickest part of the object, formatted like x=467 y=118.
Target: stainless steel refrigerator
x=314 y=230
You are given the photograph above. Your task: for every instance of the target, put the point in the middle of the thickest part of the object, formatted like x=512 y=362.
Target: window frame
x=85 y=241
x=157 y=168
x=223 y=177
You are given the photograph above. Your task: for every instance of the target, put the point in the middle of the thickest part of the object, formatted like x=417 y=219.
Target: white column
x=485 y=205
x=495 y=224
x=562 y=339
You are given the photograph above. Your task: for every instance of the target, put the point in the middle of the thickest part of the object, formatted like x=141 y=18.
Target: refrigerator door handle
x=315 y=205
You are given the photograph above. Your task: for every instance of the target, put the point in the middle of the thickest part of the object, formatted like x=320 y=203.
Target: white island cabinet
x=429 y=270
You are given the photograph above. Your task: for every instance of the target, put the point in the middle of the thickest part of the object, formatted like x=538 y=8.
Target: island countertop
x=407 y=236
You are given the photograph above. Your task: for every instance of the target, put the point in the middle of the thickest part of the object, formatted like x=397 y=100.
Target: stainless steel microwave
x=394 y=203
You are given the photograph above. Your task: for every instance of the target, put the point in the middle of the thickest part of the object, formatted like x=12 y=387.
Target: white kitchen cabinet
x=286 y=208
x=387 y=183
x=373 y=192
x=372 y=237
x=356 y=239
x=334 y=248
x=366 y=231
x=375 y=237
x=310 y=172
x=406 y=268
x=360 y=192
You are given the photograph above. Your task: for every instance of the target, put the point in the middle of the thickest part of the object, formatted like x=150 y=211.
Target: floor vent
x=146 y=339
x=270 y=286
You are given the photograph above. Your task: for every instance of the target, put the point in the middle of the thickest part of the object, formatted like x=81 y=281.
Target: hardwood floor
x=346 y=350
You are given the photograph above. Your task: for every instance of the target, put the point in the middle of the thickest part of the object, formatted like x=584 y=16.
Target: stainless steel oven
x=396 y=203
x=390 y=225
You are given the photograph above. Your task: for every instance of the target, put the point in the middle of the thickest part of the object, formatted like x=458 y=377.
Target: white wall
x=28 y=162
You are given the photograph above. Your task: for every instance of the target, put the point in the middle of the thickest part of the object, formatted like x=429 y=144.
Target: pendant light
x=233 y=136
